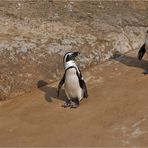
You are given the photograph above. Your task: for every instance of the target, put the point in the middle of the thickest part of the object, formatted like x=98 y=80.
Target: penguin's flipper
x=60 y=85
x=82 y=84
x=141 y=52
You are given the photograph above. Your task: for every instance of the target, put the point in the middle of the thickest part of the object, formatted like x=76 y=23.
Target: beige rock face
x=34 y=35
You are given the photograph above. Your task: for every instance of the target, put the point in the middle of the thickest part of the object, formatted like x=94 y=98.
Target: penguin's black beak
x=75 y=54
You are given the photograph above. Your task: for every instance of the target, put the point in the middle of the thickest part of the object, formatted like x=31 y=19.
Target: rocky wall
x=34 y=35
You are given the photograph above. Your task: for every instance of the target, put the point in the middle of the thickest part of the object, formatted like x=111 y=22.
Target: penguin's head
x=70 y=56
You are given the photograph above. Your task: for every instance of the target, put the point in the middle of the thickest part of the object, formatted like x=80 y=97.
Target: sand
x=114 y=115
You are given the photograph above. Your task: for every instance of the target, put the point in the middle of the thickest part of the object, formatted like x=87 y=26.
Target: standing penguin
x=75 y=87
x=142 y=51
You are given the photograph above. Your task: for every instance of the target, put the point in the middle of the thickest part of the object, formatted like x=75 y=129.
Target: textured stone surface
x=34 y=35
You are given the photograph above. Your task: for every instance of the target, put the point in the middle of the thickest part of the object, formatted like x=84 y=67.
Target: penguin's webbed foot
x=74 y=105
x=71 y=103
x=66 y=104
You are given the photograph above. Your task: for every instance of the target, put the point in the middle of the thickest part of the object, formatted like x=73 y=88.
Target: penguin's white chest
x=72 y=87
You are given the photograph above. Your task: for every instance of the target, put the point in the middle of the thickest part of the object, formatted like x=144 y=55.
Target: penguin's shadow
x=50 y=92
x=131 y=61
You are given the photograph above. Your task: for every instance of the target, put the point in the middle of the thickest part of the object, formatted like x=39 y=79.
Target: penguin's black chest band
x=77 y=71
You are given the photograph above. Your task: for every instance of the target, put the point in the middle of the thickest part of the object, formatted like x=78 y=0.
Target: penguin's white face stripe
x=66 y=55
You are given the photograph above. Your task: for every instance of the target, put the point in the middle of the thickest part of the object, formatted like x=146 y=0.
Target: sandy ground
x=115 y=114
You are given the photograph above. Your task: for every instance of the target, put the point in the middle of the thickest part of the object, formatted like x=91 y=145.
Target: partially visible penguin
x=75 y=87
x=142 y=51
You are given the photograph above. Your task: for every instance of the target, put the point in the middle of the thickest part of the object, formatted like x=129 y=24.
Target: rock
x=34 y=35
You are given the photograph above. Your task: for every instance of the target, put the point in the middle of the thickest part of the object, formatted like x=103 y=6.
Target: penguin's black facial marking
x=70 y=56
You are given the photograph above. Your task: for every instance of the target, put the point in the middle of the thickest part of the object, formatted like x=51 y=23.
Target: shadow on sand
x=131 y=61
x=50 y=92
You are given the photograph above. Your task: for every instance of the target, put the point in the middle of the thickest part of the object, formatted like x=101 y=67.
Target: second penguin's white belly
x=72 y=87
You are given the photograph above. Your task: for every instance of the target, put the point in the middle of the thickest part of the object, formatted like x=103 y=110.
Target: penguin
x=142 y=51
x=74 y=84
